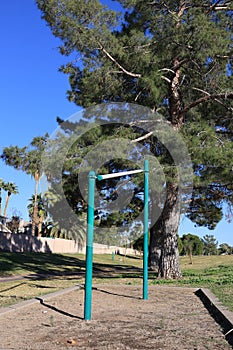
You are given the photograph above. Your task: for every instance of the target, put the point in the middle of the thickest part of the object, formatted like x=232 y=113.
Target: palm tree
x=37 y=211
x=10 y=188
x=28 y=159
x=1 y=184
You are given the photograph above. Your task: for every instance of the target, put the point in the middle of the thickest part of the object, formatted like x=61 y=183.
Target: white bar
x=123 y=173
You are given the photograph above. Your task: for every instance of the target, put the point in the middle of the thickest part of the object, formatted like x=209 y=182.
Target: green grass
x=38 y=263
x=51 y=272
x=212 y=272
x=42 y=263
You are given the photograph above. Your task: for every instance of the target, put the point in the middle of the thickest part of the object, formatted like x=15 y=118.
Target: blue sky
x=33 y=93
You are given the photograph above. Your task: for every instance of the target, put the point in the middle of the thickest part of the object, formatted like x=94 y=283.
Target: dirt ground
x=173 y=318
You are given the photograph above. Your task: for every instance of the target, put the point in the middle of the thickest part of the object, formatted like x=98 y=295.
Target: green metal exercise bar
x=90 y=232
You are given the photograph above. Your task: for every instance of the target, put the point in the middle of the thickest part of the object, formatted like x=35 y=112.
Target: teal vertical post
x=146 y=225
x=89 y=245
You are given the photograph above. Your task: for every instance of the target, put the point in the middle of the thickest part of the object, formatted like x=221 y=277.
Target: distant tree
x=180 y=245
x=107 y=237
x=10 y=188
x=39 y=213
x=27 y=159
x=210 y=245
x=1 y=185
x=61 y=225
x=225 y=248
x=13 y=224
x=138 y=244
x=192 y=245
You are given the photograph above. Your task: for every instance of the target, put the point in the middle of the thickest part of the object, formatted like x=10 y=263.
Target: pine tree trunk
x=155 y=245
x=164 y=252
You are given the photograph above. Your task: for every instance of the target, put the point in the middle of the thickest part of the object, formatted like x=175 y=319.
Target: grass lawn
x=51 y=272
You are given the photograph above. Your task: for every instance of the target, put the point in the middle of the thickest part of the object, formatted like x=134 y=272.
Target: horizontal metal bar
x=123 y=173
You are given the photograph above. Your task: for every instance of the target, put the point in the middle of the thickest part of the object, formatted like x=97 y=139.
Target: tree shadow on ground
x=39 y=263
x=43 y=265
x=12 y=287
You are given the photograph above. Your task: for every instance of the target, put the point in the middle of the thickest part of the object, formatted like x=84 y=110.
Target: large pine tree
x=174 y=57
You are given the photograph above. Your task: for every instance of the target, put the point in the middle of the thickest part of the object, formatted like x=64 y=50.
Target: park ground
x=172 y=318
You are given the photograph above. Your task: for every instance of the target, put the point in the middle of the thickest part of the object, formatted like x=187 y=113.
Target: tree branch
x=142 y=137
x=219 y=7
x=173 y=70
x=207 y=98
x=134 y=75
x=223 y=56
x=166 y=79
x=217 y=100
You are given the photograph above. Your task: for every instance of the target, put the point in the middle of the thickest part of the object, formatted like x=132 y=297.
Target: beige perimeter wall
x=14 y=242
